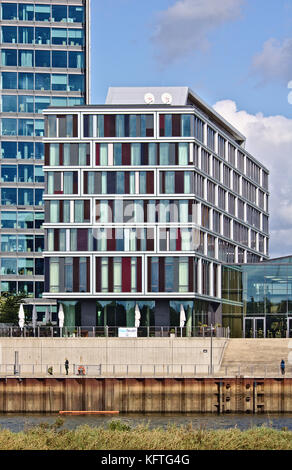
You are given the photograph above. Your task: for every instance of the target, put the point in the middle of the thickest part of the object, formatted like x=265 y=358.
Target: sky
x=235 y=54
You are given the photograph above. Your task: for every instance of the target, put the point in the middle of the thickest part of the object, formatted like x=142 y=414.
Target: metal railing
x=111 y=331
x=104 y=370
x=255 y=370
x=144 y=370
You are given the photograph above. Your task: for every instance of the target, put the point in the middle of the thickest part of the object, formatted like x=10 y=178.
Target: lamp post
x=211 y=351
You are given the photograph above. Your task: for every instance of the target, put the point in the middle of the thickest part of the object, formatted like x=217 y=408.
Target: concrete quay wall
x=146 y=395
x=44 y=352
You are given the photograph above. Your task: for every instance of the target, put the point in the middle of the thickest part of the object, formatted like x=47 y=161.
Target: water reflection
x=20 y=422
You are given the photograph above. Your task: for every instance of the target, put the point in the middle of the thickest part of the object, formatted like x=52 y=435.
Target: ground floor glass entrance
x=269 y=326
x=152 y=313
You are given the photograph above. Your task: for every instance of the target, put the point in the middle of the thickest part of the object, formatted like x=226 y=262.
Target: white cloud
x=274 y=62
x=184 y=26
x=269 y=140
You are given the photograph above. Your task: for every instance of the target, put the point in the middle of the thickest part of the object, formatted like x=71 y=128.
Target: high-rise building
x=147 y=197
x=44 y=61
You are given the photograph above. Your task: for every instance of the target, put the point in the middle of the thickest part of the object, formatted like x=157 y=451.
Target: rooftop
x=180 y=96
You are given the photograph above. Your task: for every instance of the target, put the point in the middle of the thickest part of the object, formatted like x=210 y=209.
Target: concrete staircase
x=256 y=357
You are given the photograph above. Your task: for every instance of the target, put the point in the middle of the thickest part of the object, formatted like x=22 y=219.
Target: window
x=199 y=129
x=211 y=192
x=8 y=220
x=42 y=81
x=25 y=173
x=199 y=185
x=226 y=251
x=9 y=126
x=26 y=127
x=226 y=176
x=226 y=226
x=221 y=146
x=59 y=82
x=42 y=35
x=25 y=150
x=59 y=13
x=9 y=34
x=68 y=125
x=42 y=12
x=265 y=178
x=8 y=149
x=187 y=125
x=26 y=12
x=25 y=35
x=25 y=197
x=211 y=246
x=9 y=11
x=42 y=58
x=236 y=182
x=216 y=169
x=39 y=197
x=216 y=221
x=59 y=59
x=9 y=104
x=25 y=220
x=231 y=204
x=59 y=36
x=221 y=198
x=240 y=233
x=240 y=161
x=26 y=81
x=76 y=83
x=9 y=80
x=76 y=60
x=205 y=216
x=9 y=57
x=8 y=173
x=240 y=209
x=231 y=154
x=8 y=266
x=25 y=104
x=75 y=37
x=211 y=138
x=205 y=161
x=25 y=58
x=41 y=103
x=76 y=14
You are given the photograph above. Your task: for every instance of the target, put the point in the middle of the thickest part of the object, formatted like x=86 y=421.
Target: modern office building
x=147 y=197
x=44 y=61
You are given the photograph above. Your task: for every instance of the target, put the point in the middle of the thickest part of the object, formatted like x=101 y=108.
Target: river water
x=19 y=422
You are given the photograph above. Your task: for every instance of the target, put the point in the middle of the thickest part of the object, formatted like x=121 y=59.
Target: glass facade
x=262 y=294
x=43 y=62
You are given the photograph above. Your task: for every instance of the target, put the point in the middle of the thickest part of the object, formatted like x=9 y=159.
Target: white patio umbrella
x=137 y=316
x=182 y=316
x=61 y=316
x=47 y=316
x=21 y=316
x=34 y=316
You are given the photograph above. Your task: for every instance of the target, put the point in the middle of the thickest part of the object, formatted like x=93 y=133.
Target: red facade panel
x=150 y=182
x=176 y=118
x=126 y=274
x=161 y=125
x=126 y=154
x=97 y=154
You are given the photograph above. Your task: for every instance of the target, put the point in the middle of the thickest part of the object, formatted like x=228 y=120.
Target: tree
x=9 y=307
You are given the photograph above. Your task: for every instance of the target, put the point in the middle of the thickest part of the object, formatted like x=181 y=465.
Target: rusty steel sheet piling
x=146 y=395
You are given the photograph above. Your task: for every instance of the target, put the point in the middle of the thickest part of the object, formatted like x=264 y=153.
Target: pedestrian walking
x=282 y=366
x=66 y=366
